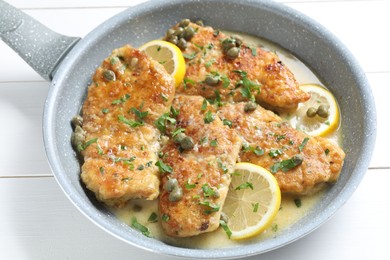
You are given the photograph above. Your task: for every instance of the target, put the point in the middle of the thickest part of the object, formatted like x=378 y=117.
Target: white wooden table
x=38 y=222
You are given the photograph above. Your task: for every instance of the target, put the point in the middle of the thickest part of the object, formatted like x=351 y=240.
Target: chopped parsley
x=161 y=122
x=227 y=122
x=165 y=217
x=82 y=147
x=211 y=208
x=226 y=228
x=298 y=202
x=209 y=117
x=129 y=122
x=245 y=185
x=287 y=165
x=164 y=168
x=302 y=145
x=121 y=100
x=139 y=114
x=275 y=152
x=255 y=207
x=214 y=143
x=153 y=218
x=189 y=56
x=189 y=185
x=141 y=228
x=208 y=191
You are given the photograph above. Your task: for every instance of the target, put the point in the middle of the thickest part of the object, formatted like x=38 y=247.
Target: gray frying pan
x=69 y=64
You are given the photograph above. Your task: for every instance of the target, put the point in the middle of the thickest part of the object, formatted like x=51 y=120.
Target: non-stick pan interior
x=137 y=25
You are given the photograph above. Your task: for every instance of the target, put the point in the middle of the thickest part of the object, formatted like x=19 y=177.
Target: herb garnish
x=121 y=100
x=227 y=122
x=302 y=145
x=210 y=207
x=245 y=185
x=209 y=117
x=82 y=147
x=225 y=227
x=153 y=218
x=298 y=202
x=129 y=122
x=161 y=122
x=164 y=168
x=138 y=226
x=208 y=191
x=288 y=164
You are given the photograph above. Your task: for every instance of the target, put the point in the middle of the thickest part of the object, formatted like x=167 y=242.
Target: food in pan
x=170 y=143
x=117 y=139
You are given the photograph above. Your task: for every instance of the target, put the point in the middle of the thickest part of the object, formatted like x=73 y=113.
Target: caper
x=211 y=80
x=78 y=136
x=109 y=75
x=170 y=32
x=224 y=217
x=179 y=137
x=199 y=22
x=227 y=44
x=250 y=106
x=178 y=31
x=237 y=40
x=297 y=159
x=77 y=121
x=232 y=53
x=323 y=111
x=171 y=184
x=311 y=112
x=187 y=143
x=188 y=33
x=173 y=39
x=137 y=208
x=176 y=194
x=184 y=23
x=182 y=44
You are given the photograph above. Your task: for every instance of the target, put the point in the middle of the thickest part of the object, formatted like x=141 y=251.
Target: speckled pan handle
x=42 y=48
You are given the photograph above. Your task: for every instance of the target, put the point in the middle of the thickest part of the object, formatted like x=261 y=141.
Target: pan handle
x=42 y=48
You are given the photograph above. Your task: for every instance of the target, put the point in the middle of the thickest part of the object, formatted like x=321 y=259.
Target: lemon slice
x=169 y=55
x=317 y=125
x=252 y=202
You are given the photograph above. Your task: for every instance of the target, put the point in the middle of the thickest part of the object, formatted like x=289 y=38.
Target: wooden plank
x=21 y=106
x=38 y=222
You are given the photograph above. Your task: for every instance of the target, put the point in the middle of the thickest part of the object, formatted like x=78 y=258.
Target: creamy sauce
x=289 y=212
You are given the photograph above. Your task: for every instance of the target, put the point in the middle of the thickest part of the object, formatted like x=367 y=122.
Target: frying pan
x=69 y=63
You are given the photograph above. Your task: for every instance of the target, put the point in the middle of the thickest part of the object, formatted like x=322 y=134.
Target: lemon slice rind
x=316 y=126
x=250 y=212
x=169 y=56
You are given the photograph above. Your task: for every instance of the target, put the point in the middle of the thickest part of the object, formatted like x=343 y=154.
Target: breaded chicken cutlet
x=119 y=142
x=301 y=164
x=202 y=155
x=226 y=68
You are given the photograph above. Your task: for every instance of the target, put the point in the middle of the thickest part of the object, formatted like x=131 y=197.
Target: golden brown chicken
x=222 y=67
x=129 y=92
x=201 y=155
x=301 y=164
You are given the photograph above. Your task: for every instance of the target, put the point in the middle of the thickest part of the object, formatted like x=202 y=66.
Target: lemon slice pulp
x=252 y=202
x=316 y=125
x=169 y=55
